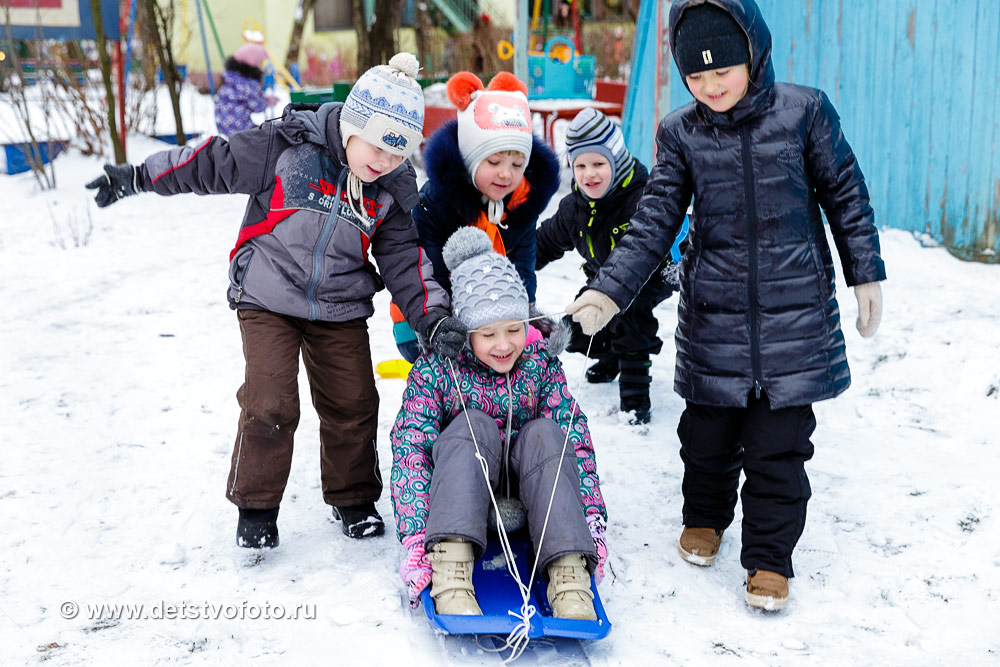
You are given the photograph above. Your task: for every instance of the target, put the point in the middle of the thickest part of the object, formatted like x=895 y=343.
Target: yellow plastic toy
x=393 y=369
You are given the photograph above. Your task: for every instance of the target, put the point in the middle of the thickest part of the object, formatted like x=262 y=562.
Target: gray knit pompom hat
x=485 y=287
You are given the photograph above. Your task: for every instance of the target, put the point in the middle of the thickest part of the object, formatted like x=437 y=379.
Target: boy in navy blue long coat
x=758 y=335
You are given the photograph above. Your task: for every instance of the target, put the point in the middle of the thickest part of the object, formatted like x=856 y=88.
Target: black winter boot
x=605 y=370
x=360 y=520
x=257 y=529
x=633 y=387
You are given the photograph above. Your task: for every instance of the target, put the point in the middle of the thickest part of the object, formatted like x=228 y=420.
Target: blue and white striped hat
x=386 y=107
x=592 y=132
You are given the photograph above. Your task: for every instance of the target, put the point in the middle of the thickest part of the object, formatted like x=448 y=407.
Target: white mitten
x=869 y=296
x=592 y=310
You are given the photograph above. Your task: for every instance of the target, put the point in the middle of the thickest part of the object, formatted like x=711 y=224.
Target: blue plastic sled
x=497 y=594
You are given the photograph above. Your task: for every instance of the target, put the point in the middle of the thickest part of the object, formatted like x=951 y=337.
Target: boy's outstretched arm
x=433 y=231
x=840 y=187
x=409 y=275
x=240 y=164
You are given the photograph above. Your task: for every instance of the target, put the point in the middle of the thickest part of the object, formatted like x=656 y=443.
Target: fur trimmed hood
x=249 y=71
x=446 y=171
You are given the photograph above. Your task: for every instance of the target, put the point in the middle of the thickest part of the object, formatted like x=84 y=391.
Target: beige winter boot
x=569 y=588
x=699 y=545
x=451 y=582
x=767 y=590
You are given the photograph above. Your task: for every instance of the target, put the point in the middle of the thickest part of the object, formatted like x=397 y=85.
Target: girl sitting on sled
x=458 y=413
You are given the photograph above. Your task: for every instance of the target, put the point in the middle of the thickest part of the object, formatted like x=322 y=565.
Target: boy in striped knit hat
x=607 y=184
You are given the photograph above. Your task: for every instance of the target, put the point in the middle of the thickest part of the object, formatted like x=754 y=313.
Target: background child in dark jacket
x=241 y=93
x=758 y=335
x=453 y=409
x=607 y=184
x=327 y=185
x=487 y=170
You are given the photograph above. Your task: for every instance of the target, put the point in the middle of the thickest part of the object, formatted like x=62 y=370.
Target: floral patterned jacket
x=431 y=401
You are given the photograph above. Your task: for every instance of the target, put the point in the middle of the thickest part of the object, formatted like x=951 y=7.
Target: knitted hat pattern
x=707 y=37
x=386 y=107
x=592 y=132
x=491 y=119
x=485 y=287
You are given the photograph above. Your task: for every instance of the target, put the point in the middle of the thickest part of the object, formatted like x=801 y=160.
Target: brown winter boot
x=451 y=582
x=767 y=590
x=699 y=545
x=569 y=588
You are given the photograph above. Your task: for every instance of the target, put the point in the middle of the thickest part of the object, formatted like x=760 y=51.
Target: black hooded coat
x=757 y=307
x=449 y=200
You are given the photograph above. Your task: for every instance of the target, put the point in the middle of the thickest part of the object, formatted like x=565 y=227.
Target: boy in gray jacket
x=326 y=185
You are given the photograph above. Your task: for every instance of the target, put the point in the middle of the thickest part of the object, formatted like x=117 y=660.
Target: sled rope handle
x=517 y=640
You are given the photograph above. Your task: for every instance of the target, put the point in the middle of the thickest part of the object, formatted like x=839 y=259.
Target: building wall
x=273 y=18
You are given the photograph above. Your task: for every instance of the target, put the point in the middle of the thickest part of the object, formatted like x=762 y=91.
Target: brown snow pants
x=337 y=358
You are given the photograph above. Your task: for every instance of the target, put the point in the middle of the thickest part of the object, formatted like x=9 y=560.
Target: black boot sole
x=360 y=529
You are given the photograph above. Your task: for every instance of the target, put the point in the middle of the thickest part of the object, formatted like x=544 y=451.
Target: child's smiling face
x=720 y=89
x=499 y=174
x=499 y=344
x=592 y=173
x=368 y=161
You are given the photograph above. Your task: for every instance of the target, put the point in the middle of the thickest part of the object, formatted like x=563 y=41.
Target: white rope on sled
x=517 y=640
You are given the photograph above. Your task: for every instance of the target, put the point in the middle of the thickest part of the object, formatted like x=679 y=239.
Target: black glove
x=447 y=336
x=119 y=180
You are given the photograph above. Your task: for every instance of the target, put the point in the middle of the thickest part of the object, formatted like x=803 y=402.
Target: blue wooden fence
x=917 y=85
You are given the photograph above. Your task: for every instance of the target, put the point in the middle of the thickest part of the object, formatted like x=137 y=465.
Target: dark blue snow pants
x=771 y=448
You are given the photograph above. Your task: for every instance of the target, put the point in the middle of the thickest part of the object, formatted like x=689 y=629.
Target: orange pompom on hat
x=491 y=119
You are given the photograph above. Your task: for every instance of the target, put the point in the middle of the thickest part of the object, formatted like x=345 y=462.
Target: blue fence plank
x=903 y=211
x=985 y=109
x=955 y=221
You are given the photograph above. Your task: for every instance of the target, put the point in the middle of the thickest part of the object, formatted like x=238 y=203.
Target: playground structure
x=558 y=70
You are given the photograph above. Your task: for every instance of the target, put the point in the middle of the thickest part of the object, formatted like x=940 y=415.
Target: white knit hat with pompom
x=485 y=287
x=386 y=107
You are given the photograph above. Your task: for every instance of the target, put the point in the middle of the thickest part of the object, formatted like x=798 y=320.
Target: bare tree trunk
x=159 y=31
x=301 y=14
x=377 y=44
x=361 y=28
x=105 y=61
x=22 y=113
x=423 y=34
x=383 y=32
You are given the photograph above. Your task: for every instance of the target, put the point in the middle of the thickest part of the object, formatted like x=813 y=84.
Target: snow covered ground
x=118 y=376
